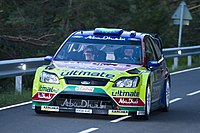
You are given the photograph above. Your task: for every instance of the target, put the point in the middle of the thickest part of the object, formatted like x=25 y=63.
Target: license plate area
x=86 y=111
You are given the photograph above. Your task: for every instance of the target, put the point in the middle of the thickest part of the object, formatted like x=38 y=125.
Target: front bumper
x=45 y=108
x=81 y=110
x=96 y=102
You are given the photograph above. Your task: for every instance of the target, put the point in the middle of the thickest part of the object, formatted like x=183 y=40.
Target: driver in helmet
x=127 y=55
x=89 y=53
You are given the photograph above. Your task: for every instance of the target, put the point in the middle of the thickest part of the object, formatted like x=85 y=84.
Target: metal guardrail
x=182 y=51
x=18 y=67
x=9 y=68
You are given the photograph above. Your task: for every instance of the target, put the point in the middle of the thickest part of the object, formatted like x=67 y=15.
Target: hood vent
x=133 y=71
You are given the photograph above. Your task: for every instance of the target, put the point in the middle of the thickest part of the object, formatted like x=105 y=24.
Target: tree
x=40 y=26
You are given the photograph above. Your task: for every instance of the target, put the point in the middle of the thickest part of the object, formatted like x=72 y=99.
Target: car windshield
x=101 y=50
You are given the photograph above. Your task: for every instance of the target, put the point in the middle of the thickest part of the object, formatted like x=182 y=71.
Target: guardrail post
x=18 y=84
x=189 y=60
x=175 y=63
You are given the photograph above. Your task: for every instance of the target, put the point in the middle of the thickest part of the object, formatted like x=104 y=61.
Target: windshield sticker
x=105 y=38
x=90 y=67
x=77 y=36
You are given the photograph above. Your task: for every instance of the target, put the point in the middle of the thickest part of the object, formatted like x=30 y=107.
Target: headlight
x=46 y=77
x=127 y=82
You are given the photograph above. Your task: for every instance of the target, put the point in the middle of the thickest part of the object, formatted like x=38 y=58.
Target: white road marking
x=89 y=130
x=125 y=117
x=187 y=70
x=120 y=119
x=175 y=100
x=193 y=93
x=16 y=105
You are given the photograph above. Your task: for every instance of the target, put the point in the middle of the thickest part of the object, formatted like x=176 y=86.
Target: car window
x=156 y=48
x=150 y=54
x=80 y=49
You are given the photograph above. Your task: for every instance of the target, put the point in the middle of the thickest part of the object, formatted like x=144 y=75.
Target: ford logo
x=85 y=82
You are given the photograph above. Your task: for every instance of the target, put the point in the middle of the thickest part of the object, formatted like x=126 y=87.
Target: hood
x=110 y=71
x=93 y=65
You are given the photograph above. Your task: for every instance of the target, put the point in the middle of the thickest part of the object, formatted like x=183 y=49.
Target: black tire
x=167 y=96
x=39 y=111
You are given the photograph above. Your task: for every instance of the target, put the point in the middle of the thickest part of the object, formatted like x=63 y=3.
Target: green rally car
x=104 y=71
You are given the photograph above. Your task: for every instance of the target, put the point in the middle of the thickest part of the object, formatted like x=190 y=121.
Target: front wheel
x=147 y=103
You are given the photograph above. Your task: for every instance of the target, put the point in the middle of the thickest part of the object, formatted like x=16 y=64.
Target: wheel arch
x=146 y=79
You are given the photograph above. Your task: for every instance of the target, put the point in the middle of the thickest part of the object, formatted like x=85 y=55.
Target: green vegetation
x=183 y=63
x=10 y=98
x=40 y=26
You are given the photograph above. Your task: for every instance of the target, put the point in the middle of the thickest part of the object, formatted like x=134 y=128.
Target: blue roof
x=100 y=32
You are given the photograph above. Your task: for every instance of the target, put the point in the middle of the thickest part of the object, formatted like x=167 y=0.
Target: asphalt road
x=183 y=117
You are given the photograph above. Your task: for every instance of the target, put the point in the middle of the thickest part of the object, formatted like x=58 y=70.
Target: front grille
x=84 y=101
x=86 y=81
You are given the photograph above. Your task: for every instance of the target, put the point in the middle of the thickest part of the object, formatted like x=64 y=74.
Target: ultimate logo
x=87 y=73
x=125 y=93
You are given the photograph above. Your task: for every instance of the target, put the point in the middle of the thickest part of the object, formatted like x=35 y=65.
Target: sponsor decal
x=87 y=73
x=129 y=101
x=102 y=66
x=125 y=93
x=33 y=106
x=89 y=67
x=118 y=112
x=105 y=64
x=140 y=112
x=50 y=108
x=77 y=36
x=87 y=111
x=156 y=90
x=84 y=89
x=48 y=89
x=105 y=38
x=43 y=96
x=77 y=103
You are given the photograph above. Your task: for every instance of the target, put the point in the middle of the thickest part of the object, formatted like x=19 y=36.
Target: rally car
x=104 y=71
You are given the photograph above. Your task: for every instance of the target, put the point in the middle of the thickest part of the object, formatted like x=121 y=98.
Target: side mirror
x=153 y=65
x=48 y=58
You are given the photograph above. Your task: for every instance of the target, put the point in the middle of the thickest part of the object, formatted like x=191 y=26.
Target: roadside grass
x=182 y=63
x=11 y=97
